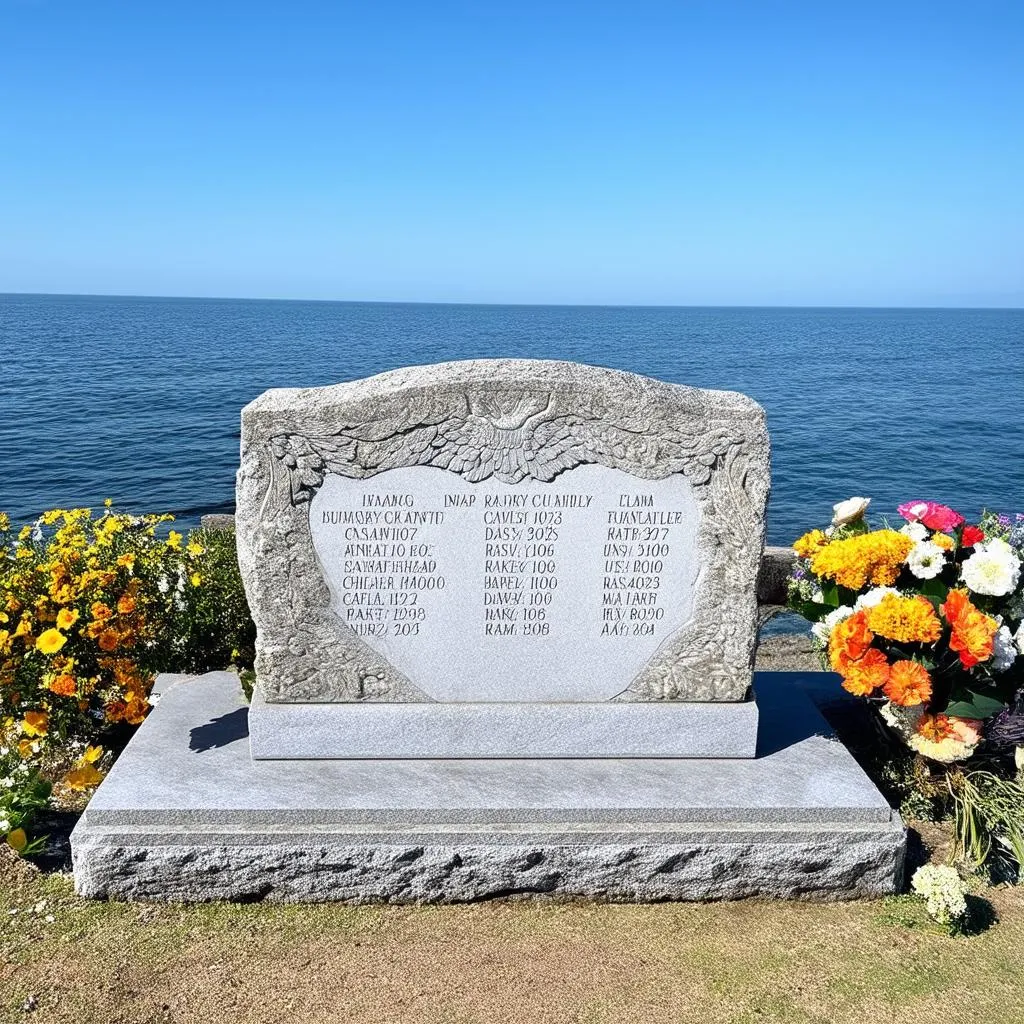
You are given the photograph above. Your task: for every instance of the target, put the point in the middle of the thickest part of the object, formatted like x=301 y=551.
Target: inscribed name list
x=490 y=591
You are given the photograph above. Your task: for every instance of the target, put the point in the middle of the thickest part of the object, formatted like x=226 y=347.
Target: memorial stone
x=504 y=552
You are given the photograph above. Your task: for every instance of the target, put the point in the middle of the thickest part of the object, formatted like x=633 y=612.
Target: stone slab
x=185 y=814
x=503 y=730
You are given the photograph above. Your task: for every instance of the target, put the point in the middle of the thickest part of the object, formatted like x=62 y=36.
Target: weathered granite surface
x=512 y=421
x=186 y=815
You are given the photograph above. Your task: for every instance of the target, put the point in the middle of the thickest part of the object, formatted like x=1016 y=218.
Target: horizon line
x=526 y=305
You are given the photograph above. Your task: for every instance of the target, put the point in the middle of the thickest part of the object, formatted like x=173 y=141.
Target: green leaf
x=977 y=705
x=830 y=591
x=934 y=588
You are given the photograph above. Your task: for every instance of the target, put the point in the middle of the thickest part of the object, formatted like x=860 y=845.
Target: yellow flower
x=84 y=777
x=127 y=560
x=92 y=754
x=876 y=557
x=66 y=618
x=196 y=579
x=944 y=541
x=810 y=543
x=194 y=548
x=17 y=840
x=107 y=502
x=905 y=619
x=26 y=748
x=35 y=723
x=174 y=540
x=51 y=641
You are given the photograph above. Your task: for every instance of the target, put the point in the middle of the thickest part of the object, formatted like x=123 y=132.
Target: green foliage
x=23 y=793
x=988 y=820
x=210 y=627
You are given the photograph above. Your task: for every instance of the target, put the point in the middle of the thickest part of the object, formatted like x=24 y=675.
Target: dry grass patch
x=100 y=963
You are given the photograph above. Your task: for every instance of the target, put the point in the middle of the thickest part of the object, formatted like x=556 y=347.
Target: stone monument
x=506 y=619
x=503 y=559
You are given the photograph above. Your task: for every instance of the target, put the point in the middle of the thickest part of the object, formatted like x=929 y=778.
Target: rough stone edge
x=803 y=864
x=720 y=442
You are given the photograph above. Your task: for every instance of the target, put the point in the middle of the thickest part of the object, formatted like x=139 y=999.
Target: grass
x=754 y=961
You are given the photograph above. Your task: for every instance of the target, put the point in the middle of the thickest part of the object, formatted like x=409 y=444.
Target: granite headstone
x=503 y=553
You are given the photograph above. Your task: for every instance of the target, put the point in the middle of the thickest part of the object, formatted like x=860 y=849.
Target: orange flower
x=909 y=684
x=114 y=711
x=935 y=728
x=864 y=676
x=126 y=604
x=100 y=611
x=849 y=640
x=108 y=640
x=905 y=619
x=973 y=630
x=63 y=684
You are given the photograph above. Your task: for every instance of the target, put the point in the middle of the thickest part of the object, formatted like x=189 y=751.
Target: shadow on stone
x=787 y=715
x=221 y=731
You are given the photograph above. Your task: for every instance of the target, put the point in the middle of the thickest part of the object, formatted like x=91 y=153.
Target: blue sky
x=725 y=153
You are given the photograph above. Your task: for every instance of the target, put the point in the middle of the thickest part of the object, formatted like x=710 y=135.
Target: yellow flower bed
x=91 y=608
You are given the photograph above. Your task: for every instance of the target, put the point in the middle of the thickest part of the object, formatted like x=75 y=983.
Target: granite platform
x=187 y=814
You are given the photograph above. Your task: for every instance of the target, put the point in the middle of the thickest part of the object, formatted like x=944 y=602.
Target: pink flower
x=931 y=514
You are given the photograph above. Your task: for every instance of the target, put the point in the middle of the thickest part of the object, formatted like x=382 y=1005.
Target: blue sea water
x=138 y=399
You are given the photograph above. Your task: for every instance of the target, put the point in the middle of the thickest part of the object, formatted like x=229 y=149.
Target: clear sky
x=816 y=153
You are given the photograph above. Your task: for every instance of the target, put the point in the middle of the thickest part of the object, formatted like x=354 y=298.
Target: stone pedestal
x=186 y=814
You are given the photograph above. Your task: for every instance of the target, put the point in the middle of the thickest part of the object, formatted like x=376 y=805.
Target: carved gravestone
x=503 y=558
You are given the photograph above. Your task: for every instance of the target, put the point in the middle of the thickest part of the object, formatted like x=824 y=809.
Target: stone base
x=186 y=814
x=502 y=729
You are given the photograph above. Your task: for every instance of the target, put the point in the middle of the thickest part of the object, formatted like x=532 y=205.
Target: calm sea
x=139 y=399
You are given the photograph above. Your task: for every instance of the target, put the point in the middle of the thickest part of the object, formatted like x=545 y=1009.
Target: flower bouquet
x=924 y=619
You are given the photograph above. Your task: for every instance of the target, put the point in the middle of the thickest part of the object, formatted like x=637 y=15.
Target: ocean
x=138 y=399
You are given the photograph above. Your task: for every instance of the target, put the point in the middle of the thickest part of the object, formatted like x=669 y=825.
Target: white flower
x=943 y=891
x=993 y=569
x=915 y=531
x=873 y=597
x=823 y=630
x=849 y=511
x=1019 y=637
x=926 y=560
x=1004 y=650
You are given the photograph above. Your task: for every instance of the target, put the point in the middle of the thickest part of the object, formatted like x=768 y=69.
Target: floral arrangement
x=91 y=607
x=925 y=619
